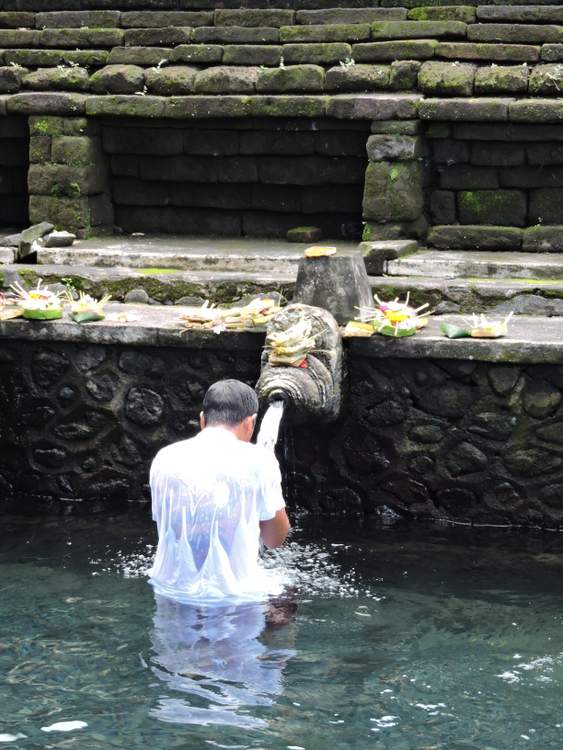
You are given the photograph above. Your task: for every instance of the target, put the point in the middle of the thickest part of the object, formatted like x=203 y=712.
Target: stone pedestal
x=339 y=283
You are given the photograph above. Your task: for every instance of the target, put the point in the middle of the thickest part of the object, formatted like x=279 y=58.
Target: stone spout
x=311 y=386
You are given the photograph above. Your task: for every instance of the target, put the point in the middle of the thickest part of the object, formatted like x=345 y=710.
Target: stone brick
x=546 y=206
x=545 y=153
x=251 y=17
x=393 y=148
x=326 y=53
x=252 y=54
x=277 y=143
x=390 y=51
x=349 y=15
x=393 y=192
x=475 y=110
x=404 y=75
x=227 y=80
x=540 y=239
x=213 y=142
x=276 y=198
x=39 y=148
x=140 y=193
x=141 y=55
x=142 y=141
x=373 y=106
x=475 y=238
x=463 y=13
x=236 y=35
x=531 y=177
x=326 y=33
x=197 y=53
x=497 y=207
x=518 y=13
x=47 y=103
x=237 y=169
x=95 y=19
x=63 y=79
x=397 y=127
x=288 y=105
x=168 y=36
x=332 y=199
x=179 y=169
x=468 y=177
x=78 y=38
x=49 y=58
x=186 y=107
x=138 y=19
x=62 y=180
x=493 y=52
x=497 y=154
x=536 y=110
x=443 y=207
x=514 y=33
x=417 y=29
x=11 y=78
x=291 y=78
x=18 y=38
x=118 y=79
x=15 y=20
x=497 y=79
x=311 y=170
x=377 y=232
x=72 y=214
x=446 y=79
x=358 y=77
x=76 y=151
x=449 y=151
x=172 y=80
x=46 y=126
x=552 y=52
x=546 y=79
x=125 y=106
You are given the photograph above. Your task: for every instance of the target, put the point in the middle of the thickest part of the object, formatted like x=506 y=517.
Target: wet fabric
x=209 y=494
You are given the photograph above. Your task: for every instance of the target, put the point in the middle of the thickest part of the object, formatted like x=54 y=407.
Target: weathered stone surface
x=393 y=192
x=137 y=19
x=473 y=110
x=463 y=13
x=64 y=180
x=50 y=58
x=466 y=458
x=531 y=462
x=251 y=17
x=450 y=151
x=118 y=79
x=326 y=33
x=393 y=148
x=236 y=35
x=142 y=55
x=497 y=207
x=546 y=206
x=165 y=37
x=446 y=79
x=494 y=52
x=468 y=177
x=304 y=234
x=138 y=296
x=76 y=151
x=349 y=15
x=77 y=38
x=125 y=106
x=552 y=52
x=546 y=79
x=358 y=77
x=226 y=79
x=443 y=207
x=390 y=51
x=404 y=75
x=497 y=154
x=47 y=103
x=96 y=19
x=317 y=53
x=252 y=54
x=291 y=78
x=196 y=53
x=171 y=80
x=536 y=110
x=11 y=78
x=503 y=379
x=15 y=20
x=396 y=127
x=373 y=106
x=514 y=33
x=540 y=239
x=63 y=79
x=475 y=238
x=182 y=107
x=496 y=79
x=518 y=13
x=418 y=29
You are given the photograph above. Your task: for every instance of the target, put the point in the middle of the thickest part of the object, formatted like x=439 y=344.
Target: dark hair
x=229 y=402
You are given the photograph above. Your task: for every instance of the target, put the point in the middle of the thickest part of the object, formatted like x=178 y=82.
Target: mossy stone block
x=125 y=106
x=77 y=19
x=502 y=53
x=47 y=103
x=475 y=237
x=140 y=55
x=404 y=75
x=409 y=49
x=182 y=107
x=169 y=36
x=75 y=150
x=252 y=54
x=62 y=180
x=79 y=38
x=393 y=192
x=546 y=206
x=170 y=81
x=326 y=33
x=514 y=33
x=546 y=80
x=11 y=78
x=396 y=127
x=540 y=239
x=464 y=13
x=48 y=126
x=250 y=17
x=383 y=147
x=326 y=53
x=287 y=106
x=225 y=79
x=72 y=214
x=358 y=78
x=18 y=38
x=118 y=79
x=417 y=29
x=235 y=35
x=197 y=53
x=446 y=79
x=500 y=207
x=291 y=78
x=443 y=207
x=59 y=78
x=158 y=19
x=501 y=79
x=39 y=149
x=304 y=234
x=17 y=20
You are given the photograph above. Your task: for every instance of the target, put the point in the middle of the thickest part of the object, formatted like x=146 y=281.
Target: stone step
x=222 y=287
x=477 y=264
x=183 y=253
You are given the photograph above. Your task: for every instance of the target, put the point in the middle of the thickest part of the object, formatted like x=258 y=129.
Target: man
x=214 y=497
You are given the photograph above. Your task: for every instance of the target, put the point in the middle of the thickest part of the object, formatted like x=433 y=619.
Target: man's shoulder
x=182 y=446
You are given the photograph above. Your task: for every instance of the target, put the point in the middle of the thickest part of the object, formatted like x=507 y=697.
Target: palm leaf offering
x=254 y=315
x=38 y=303
x=87 y=309
x=289 y=347
x=477 y=327
x=389 y=318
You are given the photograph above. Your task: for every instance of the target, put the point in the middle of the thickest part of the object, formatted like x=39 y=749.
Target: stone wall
x=470 y=441
x=14 y=146
x=237 y=177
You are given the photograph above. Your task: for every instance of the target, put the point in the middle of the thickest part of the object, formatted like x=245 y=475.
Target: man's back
x=209 y=494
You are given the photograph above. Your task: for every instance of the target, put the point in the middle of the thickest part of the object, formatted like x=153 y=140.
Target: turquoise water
x=406 y=638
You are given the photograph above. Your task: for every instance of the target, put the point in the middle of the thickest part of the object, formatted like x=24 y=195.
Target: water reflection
x=224 y=659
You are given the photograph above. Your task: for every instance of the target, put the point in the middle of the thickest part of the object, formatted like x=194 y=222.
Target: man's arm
x=274 y=531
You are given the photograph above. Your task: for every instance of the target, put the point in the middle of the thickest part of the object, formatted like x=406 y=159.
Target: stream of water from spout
x=270 y=427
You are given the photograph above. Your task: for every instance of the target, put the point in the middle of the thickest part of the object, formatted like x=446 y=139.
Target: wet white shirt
x=209 y=494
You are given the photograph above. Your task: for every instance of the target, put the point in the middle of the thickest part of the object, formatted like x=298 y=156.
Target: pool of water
x=407 y=638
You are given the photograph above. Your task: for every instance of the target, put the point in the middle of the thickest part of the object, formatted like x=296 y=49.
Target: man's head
x=231 y=404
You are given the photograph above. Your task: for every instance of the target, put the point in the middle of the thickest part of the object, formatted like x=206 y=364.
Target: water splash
x=270 y=427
